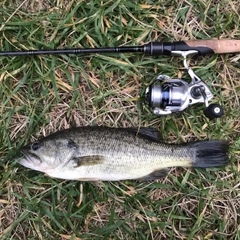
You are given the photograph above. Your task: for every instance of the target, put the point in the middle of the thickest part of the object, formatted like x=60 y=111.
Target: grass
x=42 y=94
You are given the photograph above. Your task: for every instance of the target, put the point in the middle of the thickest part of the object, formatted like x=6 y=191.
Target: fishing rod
x=165 y=95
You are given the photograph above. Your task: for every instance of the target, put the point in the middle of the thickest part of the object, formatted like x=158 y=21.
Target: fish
x=99 y=153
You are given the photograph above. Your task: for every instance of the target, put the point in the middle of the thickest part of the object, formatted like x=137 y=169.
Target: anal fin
x=157 y=174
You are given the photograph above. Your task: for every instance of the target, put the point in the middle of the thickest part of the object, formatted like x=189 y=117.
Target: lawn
x=43 y=94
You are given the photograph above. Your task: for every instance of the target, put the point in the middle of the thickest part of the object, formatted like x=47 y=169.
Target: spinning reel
x=166 y=96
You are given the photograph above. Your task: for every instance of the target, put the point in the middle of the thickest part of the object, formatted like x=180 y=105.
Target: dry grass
x=42 y=94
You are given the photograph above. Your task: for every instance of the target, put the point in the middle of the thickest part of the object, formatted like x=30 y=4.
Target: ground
x=43 y=94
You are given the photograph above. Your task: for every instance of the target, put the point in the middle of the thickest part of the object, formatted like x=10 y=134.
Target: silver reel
x=166 y=95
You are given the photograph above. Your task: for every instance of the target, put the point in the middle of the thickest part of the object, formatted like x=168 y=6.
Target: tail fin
x=211 y=154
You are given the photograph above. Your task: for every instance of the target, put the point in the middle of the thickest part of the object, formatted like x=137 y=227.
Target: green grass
x=42 y=94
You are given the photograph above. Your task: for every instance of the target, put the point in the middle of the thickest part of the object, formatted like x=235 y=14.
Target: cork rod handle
x=218 y=46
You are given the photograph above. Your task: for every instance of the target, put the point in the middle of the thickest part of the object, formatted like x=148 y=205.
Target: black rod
x=73 y=51
x=153 y=48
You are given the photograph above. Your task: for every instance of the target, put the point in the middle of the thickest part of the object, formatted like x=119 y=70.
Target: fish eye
x=35 y=146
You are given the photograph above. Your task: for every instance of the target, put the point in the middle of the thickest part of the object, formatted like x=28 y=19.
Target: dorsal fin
x=149 y=133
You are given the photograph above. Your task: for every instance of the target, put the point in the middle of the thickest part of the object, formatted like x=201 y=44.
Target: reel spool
x=166 y=96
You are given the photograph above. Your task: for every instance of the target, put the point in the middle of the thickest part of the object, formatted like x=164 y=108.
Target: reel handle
x=213 y=111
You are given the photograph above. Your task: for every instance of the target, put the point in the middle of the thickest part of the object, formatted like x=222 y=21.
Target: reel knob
x=213 y=111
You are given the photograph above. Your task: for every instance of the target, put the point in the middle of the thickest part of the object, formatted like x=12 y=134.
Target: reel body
x=166 y=95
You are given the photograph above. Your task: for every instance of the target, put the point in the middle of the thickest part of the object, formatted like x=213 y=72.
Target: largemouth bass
x=112 y=154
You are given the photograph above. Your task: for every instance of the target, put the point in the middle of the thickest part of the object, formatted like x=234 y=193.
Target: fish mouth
x=29 y=159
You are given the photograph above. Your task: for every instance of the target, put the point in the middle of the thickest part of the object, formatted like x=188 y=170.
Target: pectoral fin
x=89 y=160
x=157 y=174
